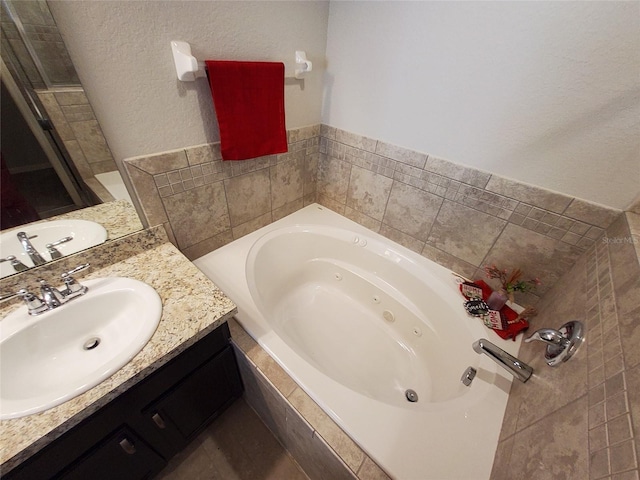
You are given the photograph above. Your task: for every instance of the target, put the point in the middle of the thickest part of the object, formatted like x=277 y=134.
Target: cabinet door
x=188 y=407
x=123 y=456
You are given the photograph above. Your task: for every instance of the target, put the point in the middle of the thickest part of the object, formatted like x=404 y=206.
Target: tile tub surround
x=314 y=440
x=205 y=203
x=458 y=216
x=582 y=419
x=145 y=256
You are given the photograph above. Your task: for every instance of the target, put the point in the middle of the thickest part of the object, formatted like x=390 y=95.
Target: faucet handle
x=549 y=336
x=53 y=251
x=562 y=344
x=73 y=288
x=33 y=303
x=17 y=265
x=73 y=271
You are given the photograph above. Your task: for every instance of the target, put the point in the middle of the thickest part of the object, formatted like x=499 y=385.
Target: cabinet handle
x=127 y=446
x=159 y=421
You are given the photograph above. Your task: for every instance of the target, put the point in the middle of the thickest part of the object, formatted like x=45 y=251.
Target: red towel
x=249 y=102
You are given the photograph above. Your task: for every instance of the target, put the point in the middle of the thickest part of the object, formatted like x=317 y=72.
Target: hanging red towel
x=249 y=102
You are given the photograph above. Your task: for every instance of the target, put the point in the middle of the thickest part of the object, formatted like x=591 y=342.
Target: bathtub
x=360 y=322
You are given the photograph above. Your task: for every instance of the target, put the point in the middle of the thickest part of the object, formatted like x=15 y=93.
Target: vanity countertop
x=192 y=306
x=119 y=218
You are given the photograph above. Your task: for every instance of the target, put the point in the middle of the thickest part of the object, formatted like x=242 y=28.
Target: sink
x=50 y=358
x=85 y=234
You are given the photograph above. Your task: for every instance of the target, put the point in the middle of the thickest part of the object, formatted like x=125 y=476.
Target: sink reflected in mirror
x=56 y=163
x=46 y=241
x=53 y=357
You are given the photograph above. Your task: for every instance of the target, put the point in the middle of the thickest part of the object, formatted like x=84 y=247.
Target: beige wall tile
x=537 y=255
x=286 y=181
x=147 y=193
x=449 y=261
x=330 y=432
x=330 y=203
x=262 y=398
x=312 y=452
x=402 y=238
x=591 y=213
x=161 y=162
x=78 y=113
x=91 y=140
x=625 y=272
x=455 y=171
x=102 y=167
x=208 y=218
x=333 y=178
x=371 y=471
x=56 y=116
x=287 y=209
x=248 y=195
x=464 y=232
x=77 y=157
x=203 y=153
x=403 y=155
x=368 y=192
x=355 y=140
x=252 y=225
x=411 y=210
x=310 y=173
x=530 y=194
x=71 y=98
x=208 y=245
x=364 y=220
x=553 y=448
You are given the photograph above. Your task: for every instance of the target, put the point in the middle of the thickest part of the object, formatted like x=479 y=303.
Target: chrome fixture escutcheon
x=562 y=344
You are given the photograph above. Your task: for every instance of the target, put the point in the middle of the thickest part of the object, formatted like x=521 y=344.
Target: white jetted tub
x=357 y=320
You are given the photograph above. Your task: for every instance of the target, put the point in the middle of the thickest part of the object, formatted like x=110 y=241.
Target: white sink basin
x=85 y=234
x=48 y=359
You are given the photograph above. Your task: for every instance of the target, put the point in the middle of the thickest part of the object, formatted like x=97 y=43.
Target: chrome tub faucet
x=516 y=367
x=562 y=344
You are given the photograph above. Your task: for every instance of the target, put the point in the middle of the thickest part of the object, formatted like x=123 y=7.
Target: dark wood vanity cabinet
x=134 y=435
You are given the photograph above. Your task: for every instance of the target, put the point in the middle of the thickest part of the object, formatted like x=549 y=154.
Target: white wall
x=122 y=53
x=543 y=92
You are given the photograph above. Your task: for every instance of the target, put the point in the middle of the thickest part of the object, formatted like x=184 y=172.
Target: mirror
x=55 y=160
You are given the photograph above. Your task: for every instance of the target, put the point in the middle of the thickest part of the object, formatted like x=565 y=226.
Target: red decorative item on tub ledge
x=513 y=329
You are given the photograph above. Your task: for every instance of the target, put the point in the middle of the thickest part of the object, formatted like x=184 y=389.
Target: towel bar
x=188 y=68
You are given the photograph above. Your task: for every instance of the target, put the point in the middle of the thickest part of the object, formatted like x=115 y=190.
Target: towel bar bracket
x=188 y=68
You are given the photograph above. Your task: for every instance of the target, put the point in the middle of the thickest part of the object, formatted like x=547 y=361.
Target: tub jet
x=411 y=395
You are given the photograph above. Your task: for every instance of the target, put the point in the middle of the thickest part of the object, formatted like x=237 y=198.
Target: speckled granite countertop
x=192 y=307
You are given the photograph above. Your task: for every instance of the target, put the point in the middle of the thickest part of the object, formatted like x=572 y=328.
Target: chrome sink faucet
x=30 y=250
x=51 y=296
x=516 y=367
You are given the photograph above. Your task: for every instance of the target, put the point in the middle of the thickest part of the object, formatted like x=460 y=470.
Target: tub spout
x=517 y=368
